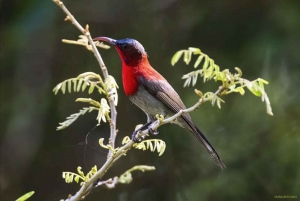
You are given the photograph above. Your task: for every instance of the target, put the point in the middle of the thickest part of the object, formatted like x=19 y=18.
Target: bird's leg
x=146 y=125
x=151 y=131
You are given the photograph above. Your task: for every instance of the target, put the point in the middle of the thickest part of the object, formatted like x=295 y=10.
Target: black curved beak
x=106 y=39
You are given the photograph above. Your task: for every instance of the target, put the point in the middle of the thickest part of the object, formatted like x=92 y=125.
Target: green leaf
x=125 y=178
x=268 y=105
x=71 y=178
x=176 y=57
x=240 y=90
x=263 y=81
x=186 y=57
x=212 y=65
x=55 y=90
x=74 y=117
x=217 y=68
x=187 y=82
x=219 y=76
x=74 y=83
x=219 y=103
x=25 y=196
x=149 y=144
x=253 y=87
x=69 y=86
x=58 y=86
x=195 y=50
x=232 y=87
x=239 y=71
x=63 y=88
x=79 y=85
x=198 y=61
x=77 y=179
x=91 y=89
x=79 y=171
x=206 y=63
x=206 y=75
x=195 y=79
x=84 y=86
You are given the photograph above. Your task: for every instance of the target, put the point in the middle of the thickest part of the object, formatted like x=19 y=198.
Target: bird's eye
x=124 y=46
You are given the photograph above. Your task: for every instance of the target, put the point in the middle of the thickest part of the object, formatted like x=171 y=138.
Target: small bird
x=151 y=92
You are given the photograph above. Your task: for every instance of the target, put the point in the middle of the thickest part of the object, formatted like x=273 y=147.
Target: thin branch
x=86 y=32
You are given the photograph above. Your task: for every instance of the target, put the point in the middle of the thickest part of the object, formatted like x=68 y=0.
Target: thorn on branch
x=87 y=28
x=68 y=18
x=57 y=1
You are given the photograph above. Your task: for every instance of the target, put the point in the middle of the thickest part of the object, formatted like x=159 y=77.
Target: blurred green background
x=261 y=152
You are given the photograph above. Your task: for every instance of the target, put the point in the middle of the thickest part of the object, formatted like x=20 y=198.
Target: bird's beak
x=106 y=39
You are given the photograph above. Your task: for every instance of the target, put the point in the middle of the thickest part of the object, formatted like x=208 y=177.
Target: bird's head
x=131 y=51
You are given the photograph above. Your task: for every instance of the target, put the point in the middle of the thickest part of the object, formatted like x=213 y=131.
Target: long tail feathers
x=201 y=138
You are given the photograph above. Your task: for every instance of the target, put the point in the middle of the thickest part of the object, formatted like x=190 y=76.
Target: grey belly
x=149 y=104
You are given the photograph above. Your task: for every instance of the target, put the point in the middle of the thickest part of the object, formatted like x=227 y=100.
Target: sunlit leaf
x=77 y=179
x=176 y=57
x=253 y=87
x=195 y=50
x=91 y=89
x=25 y=196
x=79 y=85
x=195 y=79
x=239 y=71
x=206 y=63
x=198 y=61
x=84 y=86
x=186 y=57
x=74 y=85
x=69 y=86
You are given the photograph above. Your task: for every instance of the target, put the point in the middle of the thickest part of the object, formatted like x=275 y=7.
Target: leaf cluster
x=152 y=145
x=70 y=176
x=90 y=81
x=230 y=82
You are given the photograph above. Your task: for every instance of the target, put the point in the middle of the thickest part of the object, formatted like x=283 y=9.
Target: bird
x=151 y=92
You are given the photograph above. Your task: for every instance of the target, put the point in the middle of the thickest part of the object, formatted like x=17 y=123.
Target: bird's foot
x=138 y=139
x=96 y=182
x=152 y=132
x=135 y=138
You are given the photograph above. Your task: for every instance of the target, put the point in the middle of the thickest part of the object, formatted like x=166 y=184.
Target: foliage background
x=261 y=152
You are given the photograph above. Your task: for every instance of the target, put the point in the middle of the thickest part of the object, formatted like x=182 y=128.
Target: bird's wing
x=164 y=92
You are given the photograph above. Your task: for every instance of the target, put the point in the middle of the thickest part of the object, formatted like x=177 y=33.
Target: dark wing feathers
x=163 y=91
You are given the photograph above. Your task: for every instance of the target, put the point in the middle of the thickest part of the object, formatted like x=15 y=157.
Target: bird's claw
x=152 y=132
x=135 y=138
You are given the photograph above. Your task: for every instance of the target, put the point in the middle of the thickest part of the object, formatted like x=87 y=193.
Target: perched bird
x=150 y=91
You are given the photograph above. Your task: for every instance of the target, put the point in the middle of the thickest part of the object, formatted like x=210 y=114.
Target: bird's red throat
x=130 y=75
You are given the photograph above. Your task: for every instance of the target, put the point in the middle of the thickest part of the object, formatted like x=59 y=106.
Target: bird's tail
x=201 y=138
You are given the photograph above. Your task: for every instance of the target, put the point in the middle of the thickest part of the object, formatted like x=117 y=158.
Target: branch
x=86 y=32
